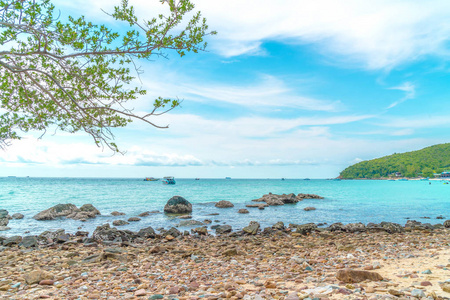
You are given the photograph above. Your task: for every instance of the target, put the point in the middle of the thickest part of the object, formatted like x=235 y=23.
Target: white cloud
x=410 y=93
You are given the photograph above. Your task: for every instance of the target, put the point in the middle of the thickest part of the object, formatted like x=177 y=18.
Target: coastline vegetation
x=420 y=163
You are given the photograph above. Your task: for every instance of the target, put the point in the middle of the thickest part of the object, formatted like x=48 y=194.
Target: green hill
x=425 y=162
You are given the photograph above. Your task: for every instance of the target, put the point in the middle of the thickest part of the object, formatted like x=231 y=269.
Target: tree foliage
x=75 y=75
x=425 y=163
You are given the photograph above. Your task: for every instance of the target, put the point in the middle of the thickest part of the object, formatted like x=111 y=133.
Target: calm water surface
x=345 y=201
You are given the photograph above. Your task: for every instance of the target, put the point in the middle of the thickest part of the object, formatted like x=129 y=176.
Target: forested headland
x=420 y=163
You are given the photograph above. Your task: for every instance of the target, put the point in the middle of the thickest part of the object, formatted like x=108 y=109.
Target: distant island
x=433 y=161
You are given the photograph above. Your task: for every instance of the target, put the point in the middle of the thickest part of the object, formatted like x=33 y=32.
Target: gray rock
x=3 y=213
x=273 y=201
x=224 y=204
x=17 y=216
x=147 y=233
x=107 y=233
x=172 y=231
x=4 y=228
x=223 y=229
x=200 y=230
x=50 y=236
x=178 y=205
x=354 y=227
x=120 y=223
x=62 y=238
x=14 y=240
x=243 y=211
x=309 y=208
x=4 y=221
x=59 y=210
x=134 y=219
x=336 y=227
x=252 y=228
x=29 y=241
x=190 y=223
x=392 y=227
x=447 y=224
x=305 y=228
x=144 y=214
x=278 y=226
x=309 y=196
x=90 y=208
x=418 y=293
x=116 y=213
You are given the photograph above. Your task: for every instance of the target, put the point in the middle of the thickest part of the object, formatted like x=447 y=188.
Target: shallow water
x=346 y=201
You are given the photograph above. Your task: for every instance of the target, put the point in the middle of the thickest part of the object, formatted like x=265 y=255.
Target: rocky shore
x=353 y=261
x=214 y=261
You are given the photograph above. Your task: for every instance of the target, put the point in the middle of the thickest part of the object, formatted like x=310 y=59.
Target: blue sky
x=287 y=89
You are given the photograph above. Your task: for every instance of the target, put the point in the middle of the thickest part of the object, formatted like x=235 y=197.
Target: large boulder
x=177 y=205
x=87 y=211
x=59 y=210
x=190 y=223
x=223 y=229
x=354 y=227
x=392 y=227
x=305 y=228
x=224 y=204
x=120 y=223
x=51 y=236
x=37 y=276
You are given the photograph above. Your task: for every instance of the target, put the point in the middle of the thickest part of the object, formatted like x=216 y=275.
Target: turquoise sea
x=346 y=201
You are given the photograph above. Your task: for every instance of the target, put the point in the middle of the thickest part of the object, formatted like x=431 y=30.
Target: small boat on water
x=283 y=178
x=227 y=177
x=151 y=179
x=197 y=178
x=168 y=180
x=306 y=179
x=402 y=179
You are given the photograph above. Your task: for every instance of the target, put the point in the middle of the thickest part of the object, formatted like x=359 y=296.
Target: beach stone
x=155 y=297
x=59 y=210
x=46 y=282
x=446 y=287
x=309 y=208
x=37 y=276
x=173 y=232
x=178 y=205
x=144 y=214
x=4 y=228
x=90 y=208
x=29 y=241
x=230 y=252
x=355 y=276
x=116 y=213
x=140 y=293
x=278 y=226
x=134 y=219
x=305 y=228
x=426 y=283
x=252 y=228
x=17 y=216
x=354 y=227
x=418 y=293
x=223 y=229
x=243 y=211
x=87 y=211
x=392 y=227
x=190 y=223
x=447 y=224
x=120 y=223
x=107 y=233
x=336 y=227
x=147 y=232
x=14 y=240
x=224 y=204
x=200 y=230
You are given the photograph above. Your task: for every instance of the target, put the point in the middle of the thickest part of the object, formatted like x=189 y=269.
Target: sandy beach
x=276 y=265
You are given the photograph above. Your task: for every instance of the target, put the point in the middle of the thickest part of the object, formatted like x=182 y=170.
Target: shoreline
x=281 y=263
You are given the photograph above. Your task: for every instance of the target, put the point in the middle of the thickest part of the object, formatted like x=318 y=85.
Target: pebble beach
x=272 y=264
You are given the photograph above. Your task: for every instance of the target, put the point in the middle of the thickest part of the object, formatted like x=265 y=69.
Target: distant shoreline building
x=445 y=174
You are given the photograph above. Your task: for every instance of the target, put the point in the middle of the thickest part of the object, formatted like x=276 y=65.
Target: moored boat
x=151 y=179
x=168 y=180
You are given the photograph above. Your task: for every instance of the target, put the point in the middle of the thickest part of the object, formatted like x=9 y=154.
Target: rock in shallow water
x=177 y=205
x=224 y=204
